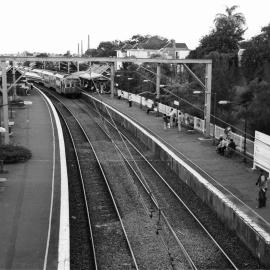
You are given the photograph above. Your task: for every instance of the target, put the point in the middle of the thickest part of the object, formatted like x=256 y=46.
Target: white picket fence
x=198 y=124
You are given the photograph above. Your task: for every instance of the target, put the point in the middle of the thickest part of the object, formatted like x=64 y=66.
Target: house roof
x=155 y=43
x=178 y=45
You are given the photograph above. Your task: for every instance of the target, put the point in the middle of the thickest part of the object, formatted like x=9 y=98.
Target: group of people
x=173 y=120
x=226 y=146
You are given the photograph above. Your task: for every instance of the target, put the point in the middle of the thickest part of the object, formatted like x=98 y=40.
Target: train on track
x=64 y=84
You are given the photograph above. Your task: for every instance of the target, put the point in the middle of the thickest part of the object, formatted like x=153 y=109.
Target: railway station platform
x=29 y=198
x=231 y=173
x=231 y=180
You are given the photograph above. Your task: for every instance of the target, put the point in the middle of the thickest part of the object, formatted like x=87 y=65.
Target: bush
x=13 y=154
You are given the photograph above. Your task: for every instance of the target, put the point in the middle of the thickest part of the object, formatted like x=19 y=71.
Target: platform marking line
x=52 y=191
x=63 y=242
x=208 y=185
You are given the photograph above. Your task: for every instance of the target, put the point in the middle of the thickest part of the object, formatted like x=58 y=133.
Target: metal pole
x=208 y=79
x=158 y=87
x=245 y=135
x=5 y=101
x=158 y=81
x=14 y=79
x=214 y=131
x=112 y=79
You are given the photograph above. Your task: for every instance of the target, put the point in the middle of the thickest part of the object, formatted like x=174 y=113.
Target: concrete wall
x=235 y=216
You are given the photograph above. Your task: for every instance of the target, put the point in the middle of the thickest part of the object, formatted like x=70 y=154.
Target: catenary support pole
x=5 y=101
x=158 y=81
x=14 y=80
x=158 y=87
x=112 y=79
x=207 y=111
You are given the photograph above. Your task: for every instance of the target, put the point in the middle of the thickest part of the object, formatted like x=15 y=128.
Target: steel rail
x=189 y=161
x=175 y=194
x=105 y=179
x=83 y=187
x=154 y=200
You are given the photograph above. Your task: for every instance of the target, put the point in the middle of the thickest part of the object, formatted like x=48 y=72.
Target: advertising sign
x=262 y=151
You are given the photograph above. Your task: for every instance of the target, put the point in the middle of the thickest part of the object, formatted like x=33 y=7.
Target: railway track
x=186 y=243
x=110 y=245
x=199 y=247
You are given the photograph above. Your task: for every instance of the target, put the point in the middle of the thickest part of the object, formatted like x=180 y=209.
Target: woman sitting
x=221 y=146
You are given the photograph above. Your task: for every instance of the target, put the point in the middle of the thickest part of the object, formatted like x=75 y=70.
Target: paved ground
x=229 y=173
x=25 y=197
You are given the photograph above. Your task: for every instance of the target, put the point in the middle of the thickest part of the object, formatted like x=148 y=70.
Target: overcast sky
x=58 y=25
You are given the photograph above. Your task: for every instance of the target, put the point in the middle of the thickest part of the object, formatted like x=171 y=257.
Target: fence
x=198 y=124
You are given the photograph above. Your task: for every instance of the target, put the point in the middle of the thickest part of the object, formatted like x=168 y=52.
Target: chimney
x=88 y=42
x=78 y=49
x=81 y=47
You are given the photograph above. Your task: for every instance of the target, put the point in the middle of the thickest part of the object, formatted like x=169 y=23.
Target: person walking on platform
x=262 y=184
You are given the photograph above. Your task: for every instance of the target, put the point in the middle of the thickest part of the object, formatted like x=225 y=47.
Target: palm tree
x=235 y=21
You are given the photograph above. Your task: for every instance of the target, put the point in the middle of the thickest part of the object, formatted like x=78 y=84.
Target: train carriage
x=64 y=84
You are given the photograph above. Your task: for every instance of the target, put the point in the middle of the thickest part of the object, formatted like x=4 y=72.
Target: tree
x=257 y=103
x=226 y=35
x=256 y=57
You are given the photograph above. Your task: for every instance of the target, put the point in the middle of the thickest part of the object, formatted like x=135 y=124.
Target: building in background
x=154 y=47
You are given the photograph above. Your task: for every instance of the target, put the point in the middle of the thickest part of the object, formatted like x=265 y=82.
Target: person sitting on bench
x=150 y=109
x=230 y=148
x=221 y=146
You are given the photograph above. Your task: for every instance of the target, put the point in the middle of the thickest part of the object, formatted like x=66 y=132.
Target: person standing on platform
x=179 y=121
x=262 y=184
x=129 y=100
x=171 y=114
x=165 y=121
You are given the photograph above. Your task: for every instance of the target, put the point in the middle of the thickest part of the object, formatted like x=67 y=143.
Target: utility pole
x=5 y=101
x=14 y=79
x=207 y=108
x=158 y=81
x=158 y=87
x=112 y=79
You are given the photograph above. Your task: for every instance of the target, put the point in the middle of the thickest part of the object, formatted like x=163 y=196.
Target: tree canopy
x=256 y=57
x=225 y=37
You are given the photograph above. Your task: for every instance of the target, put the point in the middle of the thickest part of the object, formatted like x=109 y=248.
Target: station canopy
x=25 y=72
x=95 y=72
